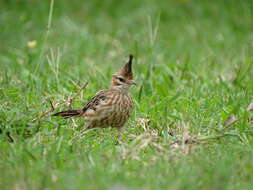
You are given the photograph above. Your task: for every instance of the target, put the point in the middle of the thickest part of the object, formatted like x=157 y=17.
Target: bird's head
x=124 y=77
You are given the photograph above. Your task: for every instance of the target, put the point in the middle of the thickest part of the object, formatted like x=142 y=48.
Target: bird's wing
x=101 y=98
x=100 y=106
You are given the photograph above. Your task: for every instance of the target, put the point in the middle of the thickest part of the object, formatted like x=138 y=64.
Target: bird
x=110 y=107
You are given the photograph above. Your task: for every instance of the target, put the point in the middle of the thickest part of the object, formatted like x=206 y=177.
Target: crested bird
x=110 y=107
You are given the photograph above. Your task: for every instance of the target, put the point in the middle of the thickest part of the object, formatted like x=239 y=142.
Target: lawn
x=191 y=128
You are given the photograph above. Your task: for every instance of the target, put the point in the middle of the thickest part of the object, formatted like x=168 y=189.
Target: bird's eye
x=121 y=79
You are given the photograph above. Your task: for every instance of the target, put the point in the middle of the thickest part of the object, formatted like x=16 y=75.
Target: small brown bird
x=110 y=107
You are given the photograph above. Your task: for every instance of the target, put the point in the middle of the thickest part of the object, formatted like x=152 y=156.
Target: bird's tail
x=68 y=113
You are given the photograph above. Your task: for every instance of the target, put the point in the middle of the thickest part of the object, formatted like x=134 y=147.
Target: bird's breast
x=123 y=106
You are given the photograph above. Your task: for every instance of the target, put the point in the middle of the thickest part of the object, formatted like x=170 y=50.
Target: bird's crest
x=126 y=70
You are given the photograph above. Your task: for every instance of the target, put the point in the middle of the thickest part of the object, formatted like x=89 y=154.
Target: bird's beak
x=131 y=82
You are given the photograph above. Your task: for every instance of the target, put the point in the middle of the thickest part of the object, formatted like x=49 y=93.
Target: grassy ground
x=194 y=71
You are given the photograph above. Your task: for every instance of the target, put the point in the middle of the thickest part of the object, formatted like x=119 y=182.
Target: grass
x=193 y=68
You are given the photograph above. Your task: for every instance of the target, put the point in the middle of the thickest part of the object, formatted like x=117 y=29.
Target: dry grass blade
x=139 y=143
x=229 y=121
x=72 y=98
x=186 y=138
x=184 y=143
x=250 y=120
x=53 y=107
x=250 y=107
x=143 y=122
x=67 y=103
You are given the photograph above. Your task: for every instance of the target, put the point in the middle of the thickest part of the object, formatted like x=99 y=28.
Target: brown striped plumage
x=110 y=107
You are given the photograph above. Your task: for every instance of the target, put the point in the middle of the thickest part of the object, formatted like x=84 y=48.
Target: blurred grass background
x=193 y=67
